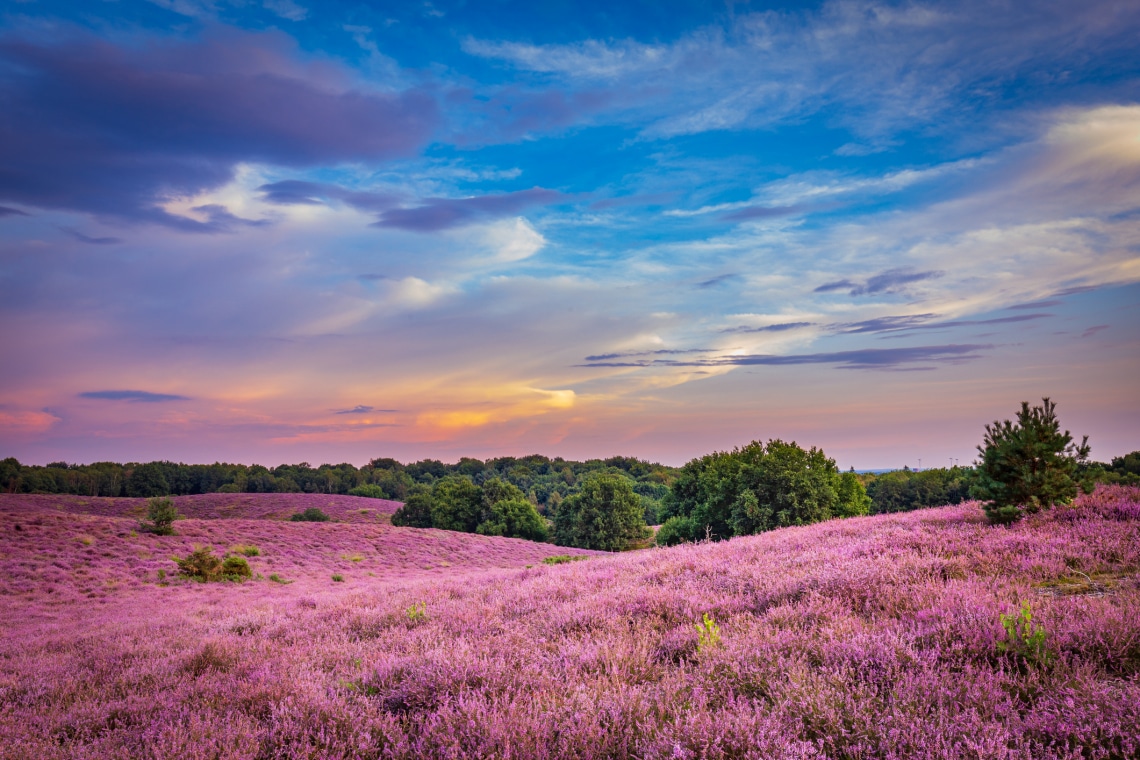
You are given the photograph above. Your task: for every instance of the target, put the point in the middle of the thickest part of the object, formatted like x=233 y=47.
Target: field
x=872 y=637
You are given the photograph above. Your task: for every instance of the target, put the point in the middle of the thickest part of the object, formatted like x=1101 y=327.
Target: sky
x=279 y=231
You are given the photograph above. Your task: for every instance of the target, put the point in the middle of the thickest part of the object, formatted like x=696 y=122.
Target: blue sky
x=281 y=231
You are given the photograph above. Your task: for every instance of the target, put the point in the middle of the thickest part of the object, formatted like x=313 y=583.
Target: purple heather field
x=873 y=637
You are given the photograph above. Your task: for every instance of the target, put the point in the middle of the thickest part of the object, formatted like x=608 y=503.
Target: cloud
x=867 y=358
x=145 y=397
x=361 y=409
x=891 y=281
x=660 y=352
x=718 y=280
x=91 y=240
x=878 y=68
x=1093 y=330
x=434 y=214
x=117 y=131
x=286 y=9
x=779 y=327
x=5 y=211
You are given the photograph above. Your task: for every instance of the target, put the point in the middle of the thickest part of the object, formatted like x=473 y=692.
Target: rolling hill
x=924 y=634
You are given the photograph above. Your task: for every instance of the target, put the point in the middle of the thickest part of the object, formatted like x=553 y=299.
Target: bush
x=1028 y=465
x=677 y=529
x=161 y=514
x=312 y=514
x=338 y=578
x=248 y=550
x=201 y=565
x=235 y=569
x=562 y=559
x=368 y=490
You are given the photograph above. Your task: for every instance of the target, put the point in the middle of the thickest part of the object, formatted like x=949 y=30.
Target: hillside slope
x=873 y=637
x=213 y=506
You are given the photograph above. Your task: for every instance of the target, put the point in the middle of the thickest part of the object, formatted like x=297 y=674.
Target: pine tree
x=1028 y=465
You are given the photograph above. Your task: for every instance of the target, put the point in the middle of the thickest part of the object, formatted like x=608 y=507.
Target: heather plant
x=312 y=514
x=161 y=514
x=1024 y=638
x=1027 y=465
x=708 y=634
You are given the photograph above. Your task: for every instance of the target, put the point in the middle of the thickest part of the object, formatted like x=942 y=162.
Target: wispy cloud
x=891 y=281
x=867 y=358
x=145 y=397
x=362 y=409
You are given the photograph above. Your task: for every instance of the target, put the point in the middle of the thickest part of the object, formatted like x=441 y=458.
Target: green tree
x=514 y=518
x=1027 y=465
x=147 y=480
x=456 y=504
x=851 y=497
x=161 y=514
x=753 y=489
x=416 y=512
x=604 y=514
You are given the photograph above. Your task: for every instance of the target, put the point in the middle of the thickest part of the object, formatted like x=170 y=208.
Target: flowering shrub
x=861 y=638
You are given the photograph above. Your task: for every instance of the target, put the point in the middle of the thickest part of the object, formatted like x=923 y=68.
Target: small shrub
x=235 y=569
x=86 y=540
x=708 y=633
x=1024 y=638
x=338 y=578
x=312 y=514
x=417 y=613
x=562 y=559
x=161 y=575
x=161 y=514
x=278 y=579
x=246 y=550
x=201 y=565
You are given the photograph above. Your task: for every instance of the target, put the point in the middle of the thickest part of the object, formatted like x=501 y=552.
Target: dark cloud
x=115 y=130
x=891 y=281
x=781 y=327
x=5 y=211
x=660 y=352
x=1034 y=305
x=134 y=396
x=298 y=192
x=430 y=215
x=885 y=324
x=1093 y=330
x=442 y=213
x=362 y=409
x=867 y=358
x=719 y=280
x=91 y=240
x=922 y=322
x=837 y=285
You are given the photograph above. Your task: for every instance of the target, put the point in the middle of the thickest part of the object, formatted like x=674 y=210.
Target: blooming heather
x=872 y=637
